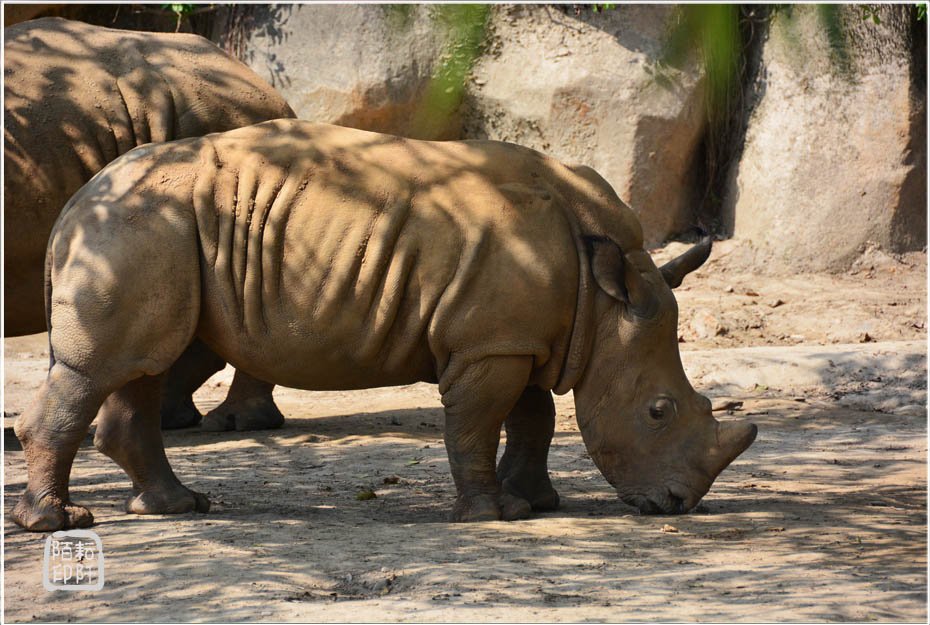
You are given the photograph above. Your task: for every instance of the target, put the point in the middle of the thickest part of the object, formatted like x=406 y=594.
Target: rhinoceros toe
x=176 y=501
x=538 y=492
x=49 y=514
x=513 y=508
x=475 y=508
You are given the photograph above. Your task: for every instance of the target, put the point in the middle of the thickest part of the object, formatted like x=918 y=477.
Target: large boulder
x=834 y=158
x=588 y=87
x=364 y=66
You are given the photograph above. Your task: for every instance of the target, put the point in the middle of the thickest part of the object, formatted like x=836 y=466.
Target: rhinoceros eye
x=661 y=410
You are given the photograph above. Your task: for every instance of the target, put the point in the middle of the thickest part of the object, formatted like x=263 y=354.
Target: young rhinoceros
x=322 y=257
x=78 y=96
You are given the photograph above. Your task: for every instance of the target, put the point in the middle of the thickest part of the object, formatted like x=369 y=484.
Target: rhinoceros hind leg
x=180 y=414
x=476 y=402
x=128 y=432
x=249 y=405
x=51 y=431
x=522 y=470
x=186 y=375
x=50 y=514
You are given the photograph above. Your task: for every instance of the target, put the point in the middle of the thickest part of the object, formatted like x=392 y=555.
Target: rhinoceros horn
x=675 y=270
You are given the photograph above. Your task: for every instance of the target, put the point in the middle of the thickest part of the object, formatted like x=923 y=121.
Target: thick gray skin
x=322 y=257
x=78 y=96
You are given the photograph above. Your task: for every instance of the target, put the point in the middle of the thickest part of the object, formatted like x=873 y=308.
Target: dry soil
x=822 y=519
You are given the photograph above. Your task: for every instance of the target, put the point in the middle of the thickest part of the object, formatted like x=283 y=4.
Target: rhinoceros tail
x=48 y=303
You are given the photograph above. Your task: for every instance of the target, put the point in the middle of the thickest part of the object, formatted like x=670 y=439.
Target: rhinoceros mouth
x=669 y=503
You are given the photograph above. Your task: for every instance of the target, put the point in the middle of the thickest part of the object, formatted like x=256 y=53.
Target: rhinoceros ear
x=617 y=277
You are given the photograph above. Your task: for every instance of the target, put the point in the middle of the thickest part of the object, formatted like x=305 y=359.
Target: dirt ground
x=822 y=519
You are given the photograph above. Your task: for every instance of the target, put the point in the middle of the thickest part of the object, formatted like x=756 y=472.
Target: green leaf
x=179 y=9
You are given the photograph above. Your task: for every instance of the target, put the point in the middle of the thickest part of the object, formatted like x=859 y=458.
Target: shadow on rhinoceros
x=77 y=97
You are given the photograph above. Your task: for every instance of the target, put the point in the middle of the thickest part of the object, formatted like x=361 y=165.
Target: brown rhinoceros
x=76 y=97
x=322 y=257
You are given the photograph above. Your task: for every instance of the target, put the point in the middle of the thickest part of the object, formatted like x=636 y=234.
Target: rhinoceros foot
x=254 y=413
x=527 y=477
x=504 y=507
x=177 y=500
x=49 y=513
x=182 y=414
x=540 y=493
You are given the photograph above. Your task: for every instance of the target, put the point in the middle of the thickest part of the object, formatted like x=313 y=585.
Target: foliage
x=181 y=11
x=714 y=36
x=712 y=32
x=465 y=26
x=832 y=23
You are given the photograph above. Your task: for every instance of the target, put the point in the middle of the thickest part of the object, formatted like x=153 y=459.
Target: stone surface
x=364 y=66
x=705 y=325
x=835 y=153
x=589 y=89
x=834 y=157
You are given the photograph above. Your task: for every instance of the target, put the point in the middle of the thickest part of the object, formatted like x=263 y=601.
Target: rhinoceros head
x=649 y=432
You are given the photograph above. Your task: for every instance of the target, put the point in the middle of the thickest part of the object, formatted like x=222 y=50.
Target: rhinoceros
x=76 y=97
x=322 y=257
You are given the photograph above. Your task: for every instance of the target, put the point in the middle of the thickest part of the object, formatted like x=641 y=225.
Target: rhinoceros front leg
x=186 y=375
x=249 y=405
x=523 y=470
x=476 y=403
x=51 y=431
x=129 y=432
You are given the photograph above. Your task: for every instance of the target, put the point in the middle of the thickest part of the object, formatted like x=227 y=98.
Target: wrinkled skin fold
x=322 y=257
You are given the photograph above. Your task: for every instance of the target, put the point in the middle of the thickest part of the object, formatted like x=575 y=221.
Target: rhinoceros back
x=78 y=96
x=371 y=259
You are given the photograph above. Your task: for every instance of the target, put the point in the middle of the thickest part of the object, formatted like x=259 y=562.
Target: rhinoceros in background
x=77 y=97
x=321 y=257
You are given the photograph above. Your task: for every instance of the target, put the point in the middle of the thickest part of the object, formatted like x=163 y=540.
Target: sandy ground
x=822 y=519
